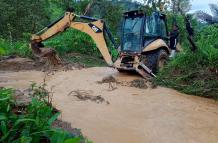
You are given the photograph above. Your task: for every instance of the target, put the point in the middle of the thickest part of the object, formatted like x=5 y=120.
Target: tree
x=157 y=4
x=22 y=16
x=185 y=5
x=110 y=11
x=177 y=5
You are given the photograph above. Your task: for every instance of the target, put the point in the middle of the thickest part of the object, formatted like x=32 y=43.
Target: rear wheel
x=155 y=60
x=121 y=70
x=162 y=59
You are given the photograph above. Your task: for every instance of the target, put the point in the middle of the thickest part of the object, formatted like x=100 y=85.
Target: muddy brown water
x=134 y=115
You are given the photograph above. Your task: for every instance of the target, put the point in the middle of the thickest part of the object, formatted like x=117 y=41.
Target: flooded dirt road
x=126 y=114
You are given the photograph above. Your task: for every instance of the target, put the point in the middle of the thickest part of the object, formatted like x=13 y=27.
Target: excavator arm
x=96 y=29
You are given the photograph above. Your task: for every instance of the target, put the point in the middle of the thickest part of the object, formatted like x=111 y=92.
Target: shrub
x=15 y=48
x=195 y=73
x=73 y=41
x=2 y=51
x=76 y=41
x=208 y=44
x=32 y=123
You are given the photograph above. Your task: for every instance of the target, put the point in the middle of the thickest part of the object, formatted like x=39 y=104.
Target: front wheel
x=155 y=60
x=162 y=59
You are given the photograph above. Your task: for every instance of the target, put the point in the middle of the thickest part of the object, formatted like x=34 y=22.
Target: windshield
x=150 y=26
x=155 y=26
x=131 y=34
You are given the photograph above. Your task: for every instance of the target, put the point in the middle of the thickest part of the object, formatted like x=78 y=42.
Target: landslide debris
x=139 y=83
x=84 y=95
x=15 y=63
x=108 y=79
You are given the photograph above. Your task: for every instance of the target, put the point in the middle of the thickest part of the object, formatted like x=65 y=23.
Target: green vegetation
x=192 y=73
x=31 y=123
x=73 y=41
x=14 y=40
x=21 y=17
x=18 y=48
x=195 y=73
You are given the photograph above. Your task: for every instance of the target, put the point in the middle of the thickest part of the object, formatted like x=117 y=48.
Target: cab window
x=163 y=32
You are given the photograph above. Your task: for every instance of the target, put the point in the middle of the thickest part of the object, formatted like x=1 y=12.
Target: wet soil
x=67 y=127
x=15 y=63
x=134 y=115
x=83 y=95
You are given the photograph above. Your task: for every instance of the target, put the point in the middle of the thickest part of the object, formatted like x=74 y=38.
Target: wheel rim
x=161 y=63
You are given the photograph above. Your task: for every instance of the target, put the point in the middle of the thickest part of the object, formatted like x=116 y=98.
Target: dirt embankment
x=112 y=110
x=14 y=63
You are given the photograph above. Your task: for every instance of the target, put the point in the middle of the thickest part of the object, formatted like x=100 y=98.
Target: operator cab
x=139 y=30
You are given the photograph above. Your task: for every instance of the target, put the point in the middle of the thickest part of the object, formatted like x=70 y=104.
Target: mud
x=87 y=96
x=108 y=79
x=22 y=97
x=14 y=63
x=134 y=115
x=67 y=127
x=139 y=83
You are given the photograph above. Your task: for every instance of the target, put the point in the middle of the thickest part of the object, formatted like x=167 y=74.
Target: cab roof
x=134 y=13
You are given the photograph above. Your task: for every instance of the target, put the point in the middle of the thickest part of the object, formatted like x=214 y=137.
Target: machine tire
x=162 y=59
x=155 y=60
x=121 y=70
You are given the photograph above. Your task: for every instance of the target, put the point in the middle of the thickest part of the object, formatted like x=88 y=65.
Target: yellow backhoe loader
x=143 y=47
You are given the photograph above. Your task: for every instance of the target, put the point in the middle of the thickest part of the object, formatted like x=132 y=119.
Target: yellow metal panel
x=60 y=26
x=66 y=22
x=156 y=45
x=97 y=37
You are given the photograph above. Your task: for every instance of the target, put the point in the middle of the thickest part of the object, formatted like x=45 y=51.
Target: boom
x=131 y=59
x=95 y=29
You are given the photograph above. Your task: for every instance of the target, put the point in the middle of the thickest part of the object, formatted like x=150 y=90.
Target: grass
x=191 y=74
x=19 y=48
x=73 y=41
x=31 y=123
x=195 y=73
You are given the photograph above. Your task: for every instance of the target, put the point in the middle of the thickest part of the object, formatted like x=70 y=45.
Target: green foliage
x=73 y=41
x=113 y=16
x=21 y=16
x=67 y=42
x=179 y=19
x=79 y=6
x=2 y=51
x=208 y=44
x=195 y=73
x=15 y=48
x=31 y=123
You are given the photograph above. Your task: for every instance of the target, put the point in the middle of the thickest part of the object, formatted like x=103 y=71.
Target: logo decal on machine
x=95 y=28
